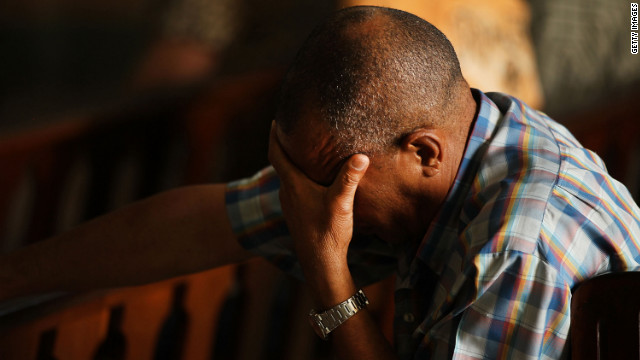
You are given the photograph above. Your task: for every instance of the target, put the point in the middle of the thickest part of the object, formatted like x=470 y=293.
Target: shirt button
x=408 y=317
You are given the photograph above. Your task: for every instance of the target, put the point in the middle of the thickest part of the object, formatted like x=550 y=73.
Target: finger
x=344 y=188
x=286 y=170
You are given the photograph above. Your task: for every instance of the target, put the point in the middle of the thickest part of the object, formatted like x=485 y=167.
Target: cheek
x=362 y=210
x=370 y=210
x=375 y=201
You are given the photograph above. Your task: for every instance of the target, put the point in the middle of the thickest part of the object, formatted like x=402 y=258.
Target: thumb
x=344 y=187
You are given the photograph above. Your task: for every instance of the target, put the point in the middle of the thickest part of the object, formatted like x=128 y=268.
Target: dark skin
x=393 y=191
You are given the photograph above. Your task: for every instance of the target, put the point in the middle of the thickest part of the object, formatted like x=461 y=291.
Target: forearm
x=181 y=231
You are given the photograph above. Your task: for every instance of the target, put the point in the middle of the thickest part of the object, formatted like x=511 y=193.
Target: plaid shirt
x=531 y=214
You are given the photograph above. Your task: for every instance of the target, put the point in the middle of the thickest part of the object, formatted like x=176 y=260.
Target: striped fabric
x=531 y=214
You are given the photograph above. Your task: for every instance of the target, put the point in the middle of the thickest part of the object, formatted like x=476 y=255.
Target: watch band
x=325 y=322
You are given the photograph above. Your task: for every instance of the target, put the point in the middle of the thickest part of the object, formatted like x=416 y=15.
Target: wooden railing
x=56 y=176
x=90 y=326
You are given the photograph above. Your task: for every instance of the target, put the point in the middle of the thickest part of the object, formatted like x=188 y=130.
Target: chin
x=395 y=237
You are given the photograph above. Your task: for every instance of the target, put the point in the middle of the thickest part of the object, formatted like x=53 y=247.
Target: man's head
x=387 y=84
x=373 y=74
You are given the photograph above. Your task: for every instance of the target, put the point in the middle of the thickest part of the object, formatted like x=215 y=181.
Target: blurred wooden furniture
x=56 y=176
x=78 y=325
x=605 y=318
x=59 y=175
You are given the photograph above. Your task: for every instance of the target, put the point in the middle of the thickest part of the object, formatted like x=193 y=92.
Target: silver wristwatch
x=325 y=322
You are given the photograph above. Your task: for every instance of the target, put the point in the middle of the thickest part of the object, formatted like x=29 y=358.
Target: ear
x=427 y=148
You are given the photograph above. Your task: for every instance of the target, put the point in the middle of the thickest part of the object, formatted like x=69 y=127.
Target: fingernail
x=359 y=162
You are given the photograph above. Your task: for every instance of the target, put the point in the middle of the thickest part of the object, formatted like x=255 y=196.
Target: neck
x=468 y=113
x=439 y=190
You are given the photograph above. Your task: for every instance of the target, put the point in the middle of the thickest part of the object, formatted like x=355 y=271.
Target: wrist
x=325 y=321
x=329 y=285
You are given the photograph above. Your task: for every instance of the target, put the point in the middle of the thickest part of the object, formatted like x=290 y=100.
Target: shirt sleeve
x=521 y=311
x=253 y=206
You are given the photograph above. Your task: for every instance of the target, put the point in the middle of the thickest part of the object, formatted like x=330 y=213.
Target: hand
x=320 y=219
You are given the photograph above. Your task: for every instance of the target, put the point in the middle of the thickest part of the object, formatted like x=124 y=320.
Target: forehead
x=313 y=150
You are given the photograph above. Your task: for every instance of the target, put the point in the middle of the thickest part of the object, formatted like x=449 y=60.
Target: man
x=489 y=212
x=494 y=211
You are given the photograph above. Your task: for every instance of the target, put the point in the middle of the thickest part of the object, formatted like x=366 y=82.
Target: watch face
x=316 y=324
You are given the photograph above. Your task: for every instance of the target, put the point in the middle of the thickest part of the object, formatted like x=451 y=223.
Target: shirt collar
x=432 y=248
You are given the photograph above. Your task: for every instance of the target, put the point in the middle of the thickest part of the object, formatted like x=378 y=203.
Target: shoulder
x=539 y=191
